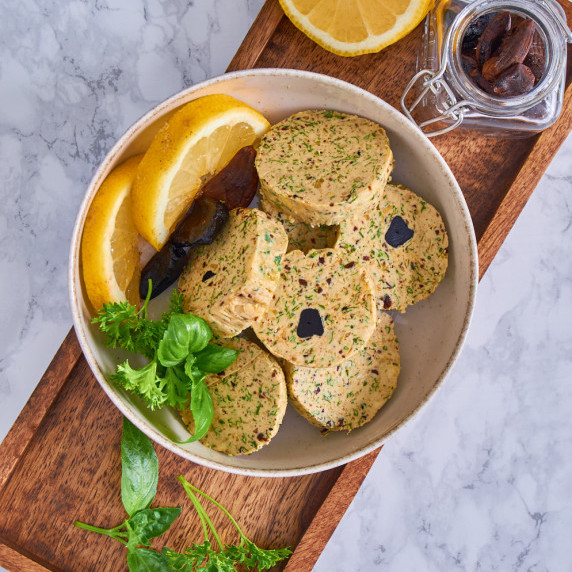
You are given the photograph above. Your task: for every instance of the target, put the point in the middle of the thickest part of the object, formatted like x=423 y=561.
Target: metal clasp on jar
x=434 y=83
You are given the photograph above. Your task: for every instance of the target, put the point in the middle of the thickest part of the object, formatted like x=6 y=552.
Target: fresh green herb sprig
x=180 y=356
x=140 y=474
x=205 y=557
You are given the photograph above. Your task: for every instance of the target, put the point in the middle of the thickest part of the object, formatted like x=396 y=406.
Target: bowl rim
x=137 y=127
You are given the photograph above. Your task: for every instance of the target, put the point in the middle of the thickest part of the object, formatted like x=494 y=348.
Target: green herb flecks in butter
x=321 y=167
x=242 y=272
x=408 y=273
x=341 y=293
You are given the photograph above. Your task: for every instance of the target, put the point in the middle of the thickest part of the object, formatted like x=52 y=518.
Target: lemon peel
x=109 y=253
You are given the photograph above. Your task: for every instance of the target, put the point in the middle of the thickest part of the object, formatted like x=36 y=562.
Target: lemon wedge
x=192 y=146
x=354 y=27
x=109 y=253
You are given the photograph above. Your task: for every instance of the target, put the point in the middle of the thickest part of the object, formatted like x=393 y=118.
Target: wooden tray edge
x=254 y=42
x=17 y=561
x=330 y=514
x=29 y=419
x=524 y=184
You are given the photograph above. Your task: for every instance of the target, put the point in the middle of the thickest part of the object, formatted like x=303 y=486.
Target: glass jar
x=442 y=96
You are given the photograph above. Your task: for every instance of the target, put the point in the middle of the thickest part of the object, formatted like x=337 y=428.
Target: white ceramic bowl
x=430 y=333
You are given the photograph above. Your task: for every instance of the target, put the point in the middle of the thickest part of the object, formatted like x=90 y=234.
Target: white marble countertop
x=482 y=479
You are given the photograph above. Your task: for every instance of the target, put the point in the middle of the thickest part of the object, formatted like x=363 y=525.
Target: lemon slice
x=354 y=27
x=109 y=252
x=195 y=143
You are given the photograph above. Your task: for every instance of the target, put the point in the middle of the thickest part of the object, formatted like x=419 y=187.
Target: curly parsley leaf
x=177 y=386
x=128 y=328
x=261 y=558
x=175 y=304
x=144 y=382
x=195 y=556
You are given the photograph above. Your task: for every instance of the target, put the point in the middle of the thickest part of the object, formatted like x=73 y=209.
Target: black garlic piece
x=516 y=80
x=200 y=226
x=469 y=63
x=474 y=31
x=513 y=50
x=310 y=323
x=236 y=184
x=398 y=232
x=163 y=269
x=492 y=36
x=482 y=82
x=536 y=58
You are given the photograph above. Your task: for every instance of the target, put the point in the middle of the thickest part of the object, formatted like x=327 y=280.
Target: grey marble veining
x=73 y=77
x=482 y=478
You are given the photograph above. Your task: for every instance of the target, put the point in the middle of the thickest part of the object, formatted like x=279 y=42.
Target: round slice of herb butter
x=344 y=397
x=322 y=311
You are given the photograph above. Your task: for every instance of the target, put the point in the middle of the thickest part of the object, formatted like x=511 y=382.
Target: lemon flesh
x=195 y=144
x=109 y=253
x=354 y=27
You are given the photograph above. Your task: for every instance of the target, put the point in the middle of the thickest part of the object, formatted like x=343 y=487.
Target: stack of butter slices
x=324 y=175
x=312 y=274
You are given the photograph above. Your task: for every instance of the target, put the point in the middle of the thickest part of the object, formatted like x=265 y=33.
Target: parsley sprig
x=226 y=557
x=179 y=353
x=140 y=474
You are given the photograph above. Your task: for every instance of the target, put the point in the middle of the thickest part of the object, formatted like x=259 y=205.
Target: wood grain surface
x=61 y=460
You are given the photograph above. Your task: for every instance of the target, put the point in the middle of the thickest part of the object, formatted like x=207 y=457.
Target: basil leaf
x=152 y=522
x=185 y=334
x=173 y=348
x=202 y=410
x=214 y=359
x=144 y=560
x=200 y=333
x=189 y=364
x=192 y=371
x=140 y=469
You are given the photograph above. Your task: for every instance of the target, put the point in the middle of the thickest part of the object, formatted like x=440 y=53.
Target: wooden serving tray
x=61 y=460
